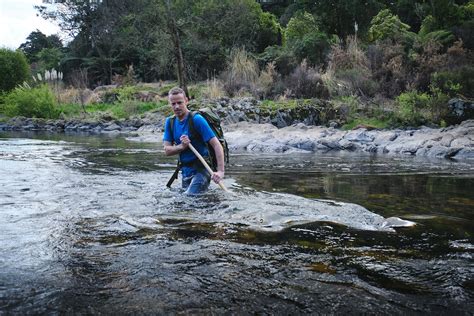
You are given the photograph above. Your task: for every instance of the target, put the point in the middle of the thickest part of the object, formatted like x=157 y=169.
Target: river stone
x=112 y=126
x=347 y=144
x=459 y=111
x=465 y=154
x=359 y=136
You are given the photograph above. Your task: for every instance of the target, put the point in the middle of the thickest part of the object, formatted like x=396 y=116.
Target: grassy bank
x=134 y=101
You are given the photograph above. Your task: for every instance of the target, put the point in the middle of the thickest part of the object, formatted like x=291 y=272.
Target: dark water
x=88 y=227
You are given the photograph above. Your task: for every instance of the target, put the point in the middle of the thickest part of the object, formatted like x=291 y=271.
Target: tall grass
x=242 y=72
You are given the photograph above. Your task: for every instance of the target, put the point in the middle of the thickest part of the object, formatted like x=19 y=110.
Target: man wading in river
x=178 y=136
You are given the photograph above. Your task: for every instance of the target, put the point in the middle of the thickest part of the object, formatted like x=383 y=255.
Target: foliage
x=287 y=49
x=412 y=107
x=306 y=82
x=304 y=38
x=14 y=69
x=351 y=65
x=373 y=122
x=454 y=83
x=121 y=110
x=270 y=31
x=390 y=67
x=386 y=25
x=214 y=89
x=267 y=81
x=284 y=59
x=241 y=74
x=49 y=58
x=36 y=42
x=36 y=102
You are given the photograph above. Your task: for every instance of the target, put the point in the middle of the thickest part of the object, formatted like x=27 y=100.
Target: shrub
x=269 y=81
x=305 y=40
x=412 y=107
x=359 y=81
x=14 y=69
x=390 y=67
x=306 y=82
x=351 y=65
x=36 y=102
x=438 y=105
x=386 y=25
x=457 y=82
x=214 y=89
x=349 y=57
x=241 y=73
x=285 y=61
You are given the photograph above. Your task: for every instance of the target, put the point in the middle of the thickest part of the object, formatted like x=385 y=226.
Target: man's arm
x=171 y=149
x=219 y=151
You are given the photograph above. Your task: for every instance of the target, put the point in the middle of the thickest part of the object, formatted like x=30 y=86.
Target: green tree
x=37 y=41
x=14 y=69
x=387 y=25
x=304 y=38
x=49 y=58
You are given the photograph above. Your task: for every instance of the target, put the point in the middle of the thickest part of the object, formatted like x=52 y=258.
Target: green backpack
x=215 y=124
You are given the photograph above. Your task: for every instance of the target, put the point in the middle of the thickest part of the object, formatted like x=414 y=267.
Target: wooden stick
x=221 y=184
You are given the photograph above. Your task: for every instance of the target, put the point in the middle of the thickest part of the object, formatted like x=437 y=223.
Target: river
x=88 y=227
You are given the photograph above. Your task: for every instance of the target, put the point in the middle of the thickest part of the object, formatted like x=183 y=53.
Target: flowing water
x=87 y=226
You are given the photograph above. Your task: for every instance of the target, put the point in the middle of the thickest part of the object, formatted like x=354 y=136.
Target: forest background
x=380 y=63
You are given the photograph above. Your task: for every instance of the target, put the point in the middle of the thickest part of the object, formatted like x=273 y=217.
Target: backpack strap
x=192 y=129
x=171 y=125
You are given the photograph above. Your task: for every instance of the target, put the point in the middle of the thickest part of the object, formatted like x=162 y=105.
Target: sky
x=18 y=19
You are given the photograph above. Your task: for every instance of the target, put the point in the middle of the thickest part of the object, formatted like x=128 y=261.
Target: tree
x=49 y=58
x=37 y=41
x=304 y=38
x=387 y=25
x=95 y=28
x=14 y=69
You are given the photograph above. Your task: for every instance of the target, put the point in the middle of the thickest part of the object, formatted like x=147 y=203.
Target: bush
x=306 y=82
x=359 y=81
x=438 y=105
x=351 y=65
x=389 y=66
x=412 y=108
x=454 y=83
x=14 y=69
x=214 y=89
x=241 y=74
x=386 y=25
x=305 y=40
x=269 y=82
x=36 y=102
x=285 y=61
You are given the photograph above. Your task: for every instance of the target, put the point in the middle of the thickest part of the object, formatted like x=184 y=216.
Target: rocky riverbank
x=304 y=129
x=455 y=142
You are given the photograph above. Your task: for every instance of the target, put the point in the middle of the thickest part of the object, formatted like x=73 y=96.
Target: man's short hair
x=175 y=91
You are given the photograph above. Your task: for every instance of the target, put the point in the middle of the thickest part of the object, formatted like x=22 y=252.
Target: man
x=195 y=178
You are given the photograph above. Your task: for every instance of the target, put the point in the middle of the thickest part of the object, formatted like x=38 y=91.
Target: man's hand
x=185 y=141
x=218 y=176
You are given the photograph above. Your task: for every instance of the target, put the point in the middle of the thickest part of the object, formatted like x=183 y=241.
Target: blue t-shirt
x=201 y=127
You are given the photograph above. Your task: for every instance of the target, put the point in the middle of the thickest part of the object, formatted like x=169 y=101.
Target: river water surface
x=88 y=226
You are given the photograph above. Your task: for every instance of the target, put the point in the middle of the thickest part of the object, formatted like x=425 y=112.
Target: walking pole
x=221 y=184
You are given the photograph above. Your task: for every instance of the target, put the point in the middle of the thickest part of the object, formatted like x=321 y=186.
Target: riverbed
x=89 y=227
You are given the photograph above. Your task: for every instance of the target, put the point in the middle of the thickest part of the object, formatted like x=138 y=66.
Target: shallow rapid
x=88 y=226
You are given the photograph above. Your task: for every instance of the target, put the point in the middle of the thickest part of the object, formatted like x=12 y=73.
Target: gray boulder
x=459 y=111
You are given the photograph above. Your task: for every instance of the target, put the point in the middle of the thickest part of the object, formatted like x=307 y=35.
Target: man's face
x=179 y=104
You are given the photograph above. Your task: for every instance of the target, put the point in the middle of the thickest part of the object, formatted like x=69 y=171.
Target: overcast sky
x=18 y=19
